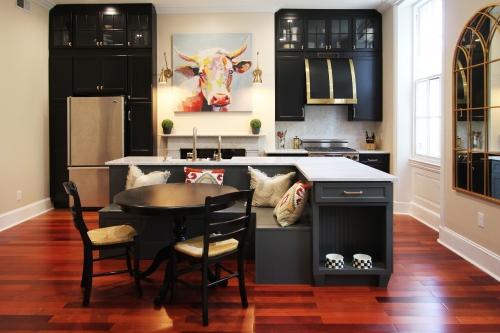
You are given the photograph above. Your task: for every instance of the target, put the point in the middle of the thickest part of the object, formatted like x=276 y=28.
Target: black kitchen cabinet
x=61 y=35
x=100 y=74
x=80 y=66
x=139 y=78
x=290 y=88
x=61 y=77
x=96 y=27
x=331 y=30
x=379 y=161
x=368 y=89
x=140 y=132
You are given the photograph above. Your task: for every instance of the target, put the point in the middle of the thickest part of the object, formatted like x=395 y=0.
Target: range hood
x=330 y=81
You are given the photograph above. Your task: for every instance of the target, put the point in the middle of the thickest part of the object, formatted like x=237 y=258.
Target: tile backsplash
x=327 y=122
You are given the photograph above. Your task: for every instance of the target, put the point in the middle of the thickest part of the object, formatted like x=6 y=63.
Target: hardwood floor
x=431 y=290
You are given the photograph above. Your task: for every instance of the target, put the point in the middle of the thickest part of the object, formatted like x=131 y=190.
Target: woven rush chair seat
x=194 y=247
x=112 y=235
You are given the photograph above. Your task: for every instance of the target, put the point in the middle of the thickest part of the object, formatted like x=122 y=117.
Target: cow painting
x=208 y=78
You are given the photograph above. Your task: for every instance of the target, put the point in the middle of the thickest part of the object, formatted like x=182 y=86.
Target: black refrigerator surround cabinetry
x=310 y=33
x=101 y=50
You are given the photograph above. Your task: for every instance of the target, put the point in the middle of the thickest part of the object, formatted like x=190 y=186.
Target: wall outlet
x=480 y=220
x=19 y=194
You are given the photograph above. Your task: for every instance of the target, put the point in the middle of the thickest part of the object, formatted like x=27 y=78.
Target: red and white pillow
x=204 y=176
x=292 y=205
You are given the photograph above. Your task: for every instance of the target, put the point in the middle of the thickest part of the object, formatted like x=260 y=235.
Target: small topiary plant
x=167 y=123
x=255 y=123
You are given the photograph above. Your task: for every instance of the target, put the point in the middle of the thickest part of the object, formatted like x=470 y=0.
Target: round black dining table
x=174 y=200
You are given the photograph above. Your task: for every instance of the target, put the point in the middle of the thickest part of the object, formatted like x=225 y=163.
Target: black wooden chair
x=221 y=240
x=115 y=237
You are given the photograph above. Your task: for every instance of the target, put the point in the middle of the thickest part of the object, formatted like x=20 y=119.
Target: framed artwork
x=212 y=72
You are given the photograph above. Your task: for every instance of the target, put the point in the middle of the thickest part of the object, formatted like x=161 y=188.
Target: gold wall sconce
x=257 y=73
x=165 y=73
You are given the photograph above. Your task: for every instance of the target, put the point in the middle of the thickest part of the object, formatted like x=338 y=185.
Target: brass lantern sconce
x=257 y=73
x=165 y=73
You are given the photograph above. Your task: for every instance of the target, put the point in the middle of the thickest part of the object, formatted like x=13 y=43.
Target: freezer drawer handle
x=353 y=193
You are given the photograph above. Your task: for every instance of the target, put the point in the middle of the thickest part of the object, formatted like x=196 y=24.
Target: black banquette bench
x=282 y=254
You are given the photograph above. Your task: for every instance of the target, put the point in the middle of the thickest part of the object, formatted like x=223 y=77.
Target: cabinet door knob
x=128 y=115
x=302 y=47
x=102 y=87
x=97 y=43
x=128 y=96
x=354 y=47
x=100 y=44
x=69 y=43
x=329 y=47
x=128 y=43
x=353 y=193
x=98 y=88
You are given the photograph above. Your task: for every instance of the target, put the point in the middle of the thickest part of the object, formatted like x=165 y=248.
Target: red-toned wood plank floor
x=431 y=290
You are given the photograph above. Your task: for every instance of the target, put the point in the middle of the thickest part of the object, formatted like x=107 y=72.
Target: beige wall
x=24 y=106
x=460 y=210
x=261 y=26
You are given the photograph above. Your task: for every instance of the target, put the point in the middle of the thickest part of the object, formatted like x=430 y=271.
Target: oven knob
x=354 y=158
x=348 y=156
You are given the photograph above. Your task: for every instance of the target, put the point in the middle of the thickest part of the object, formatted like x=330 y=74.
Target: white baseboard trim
x=480 y=257
x=426 y=216
x=401 y=208
x=14 y=217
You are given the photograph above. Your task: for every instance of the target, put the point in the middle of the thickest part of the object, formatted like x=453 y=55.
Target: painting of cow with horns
x=211 y=73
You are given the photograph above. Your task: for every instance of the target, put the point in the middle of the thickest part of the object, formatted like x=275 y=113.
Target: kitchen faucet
x=218 y=156
x=193 y=153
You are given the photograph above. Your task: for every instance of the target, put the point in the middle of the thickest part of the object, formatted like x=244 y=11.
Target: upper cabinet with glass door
x=289 y=34
x=342 y=30
x=102 y=26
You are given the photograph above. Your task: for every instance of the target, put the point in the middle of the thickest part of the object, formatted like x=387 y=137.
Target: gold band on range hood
x=331 y=99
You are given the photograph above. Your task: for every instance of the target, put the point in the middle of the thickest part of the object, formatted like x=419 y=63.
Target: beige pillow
x=268 y=190
x=291 y=207
x=137 y=178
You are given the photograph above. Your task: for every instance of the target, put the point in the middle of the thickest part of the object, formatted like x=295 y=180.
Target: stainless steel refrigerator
x=95 y=136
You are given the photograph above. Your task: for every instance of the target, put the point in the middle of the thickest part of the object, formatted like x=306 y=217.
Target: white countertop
x=314 y=169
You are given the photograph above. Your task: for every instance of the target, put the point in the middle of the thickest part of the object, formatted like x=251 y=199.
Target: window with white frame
x=427 y=65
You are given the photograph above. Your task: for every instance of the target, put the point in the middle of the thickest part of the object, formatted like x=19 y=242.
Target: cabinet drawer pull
x=353 y=193
x=372 y=160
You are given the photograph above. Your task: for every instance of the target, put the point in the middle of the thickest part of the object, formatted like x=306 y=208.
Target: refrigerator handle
x=128 y=115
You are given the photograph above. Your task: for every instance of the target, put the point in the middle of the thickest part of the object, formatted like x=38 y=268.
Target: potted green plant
x=255 y=124
x=167 y=125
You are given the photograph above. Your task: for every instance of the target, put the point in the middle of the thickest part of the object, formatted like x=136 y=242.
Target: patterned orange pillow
x=204 y=176
x=292 y=205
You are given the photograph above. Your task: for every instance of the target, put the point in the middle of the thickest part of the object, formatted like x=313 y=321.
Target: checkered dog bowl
x=335 y=261
x=362 y=261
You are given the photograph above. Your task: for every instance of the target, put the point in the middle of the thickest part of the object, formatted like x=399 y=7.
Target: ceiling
x=196 y=6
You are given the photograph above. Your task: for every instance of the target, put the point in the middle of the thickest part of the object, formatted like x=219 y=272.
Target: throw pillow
x=268 y=190
x=137 y=178
x=292 y=205
x=204 y=176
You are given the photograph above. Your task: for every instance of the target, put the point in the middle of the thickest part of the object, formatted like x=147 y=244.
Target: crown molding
x=218 y=9
x=44 y=3
x=386 y=4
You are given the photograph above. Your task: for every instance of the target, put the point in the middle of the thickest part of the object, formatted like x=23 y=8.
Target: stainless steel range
x=329 y=148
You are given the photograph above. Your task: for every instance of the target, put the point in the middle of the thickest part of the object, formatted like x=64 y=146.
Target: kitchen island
x=351 y=212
